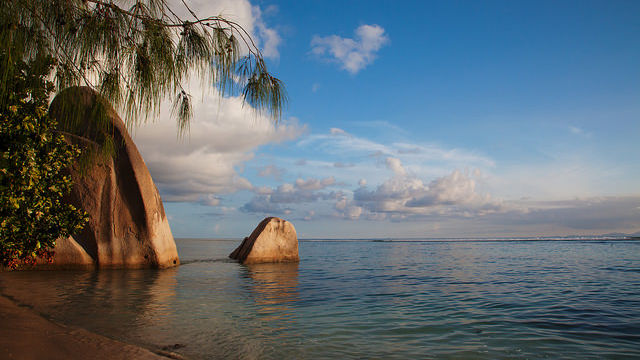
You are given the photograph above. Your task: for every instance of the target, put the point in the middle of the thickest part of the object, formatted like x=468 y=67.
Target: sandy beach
x=25 y=334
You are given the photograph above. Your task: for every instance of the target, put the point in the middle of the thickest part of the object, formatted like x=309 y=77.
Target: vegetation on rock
x=33 y=169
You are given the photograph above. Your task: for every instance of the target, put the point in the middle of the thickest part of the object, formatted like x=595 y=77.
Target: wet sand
x=25 y=334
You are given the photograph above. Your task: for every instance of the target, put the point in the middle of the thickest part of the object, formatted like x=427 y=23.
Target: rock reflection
x=102 y=301
x=275 y=288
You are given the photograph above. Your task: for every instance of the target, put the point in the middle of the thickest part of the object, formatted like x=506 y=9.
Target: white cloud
x=223 y=135
x=354 y=54
x=211 y=200
x=346 y=209
x=395 y=165
x=339 y=142
x=315 y=184
x=457 y=188
x=263 y=190
x=263 y=205
x=337 y=131
x=431 y=152
x=353 y=155
x=406 y=195
x=224 y=132
x=420 y=185
x=240 y=11
x=353 y=212
x=391 y=195
x=269 y=38
x=269 y=200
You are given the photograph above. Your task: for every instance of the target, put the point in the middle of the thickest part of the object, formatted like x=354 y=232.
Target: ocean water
x=364 y=299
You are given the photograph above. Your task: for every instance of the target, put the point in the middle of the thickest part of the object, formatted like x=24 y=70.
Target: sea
x=529 y=298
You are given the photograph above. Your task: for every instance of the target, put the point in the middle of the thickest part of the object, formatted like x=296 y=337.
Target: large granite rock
x=273 y=240
x=128 y=227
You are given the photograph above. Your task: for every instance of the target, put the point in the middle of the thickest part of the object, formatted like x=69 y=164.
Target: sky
x=416 y=119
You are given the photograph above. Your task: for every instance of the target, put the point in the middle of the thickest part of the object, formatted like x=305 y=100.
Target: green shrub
x=34 y=175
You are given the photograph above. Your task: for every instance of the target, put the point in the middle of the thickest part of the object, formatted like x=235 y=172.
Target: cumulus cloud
x=345 y=208
x=406 y=195
x=315 y=184
x=395 y=165
x=262 y=205
x=268 y=37
x=353 y=54
x=210 y=200
x=271 y=200
x=419 y=181
x=457 y=188
x=391 y=195
x=223 y=135
x=242 y=12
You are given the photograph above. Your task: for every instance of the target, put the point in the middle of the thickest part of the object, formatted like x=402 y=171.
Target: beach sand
x=24 y=335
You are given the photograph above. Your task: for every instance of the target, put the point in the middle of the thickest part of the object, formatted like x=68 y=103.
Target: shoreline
x=26 y=334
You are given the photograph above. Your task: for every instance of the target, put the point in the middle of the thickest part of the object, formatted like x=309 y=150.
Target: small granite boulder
x=273 y=240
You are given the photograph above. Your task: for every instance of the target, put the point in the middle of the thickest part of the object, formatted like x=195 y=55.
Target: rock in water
x=128 y=227
x=273 y=240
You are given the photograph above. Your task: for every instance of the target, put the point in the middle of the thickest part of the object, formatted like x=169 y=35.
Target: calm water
x=364 y=299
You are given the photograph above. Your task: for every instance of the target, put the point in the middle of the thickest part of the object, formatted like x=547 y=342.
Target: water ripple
x=365 y=299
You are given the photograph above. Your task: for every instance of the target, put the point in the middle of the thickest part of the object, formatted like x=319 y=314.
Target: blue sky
x=418 y=119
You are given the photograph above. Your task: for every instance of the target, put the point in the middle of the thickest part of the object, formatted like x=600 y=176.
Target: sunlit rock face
x=273 y=240
x=128 y=227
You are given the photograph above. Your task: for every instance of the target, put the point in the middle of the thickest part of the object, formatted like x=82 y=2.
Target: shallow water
x=364 y=299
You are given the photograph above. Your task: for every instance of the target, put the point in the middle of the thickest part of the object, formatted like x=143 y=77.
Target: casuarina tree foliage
x=136 y=53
